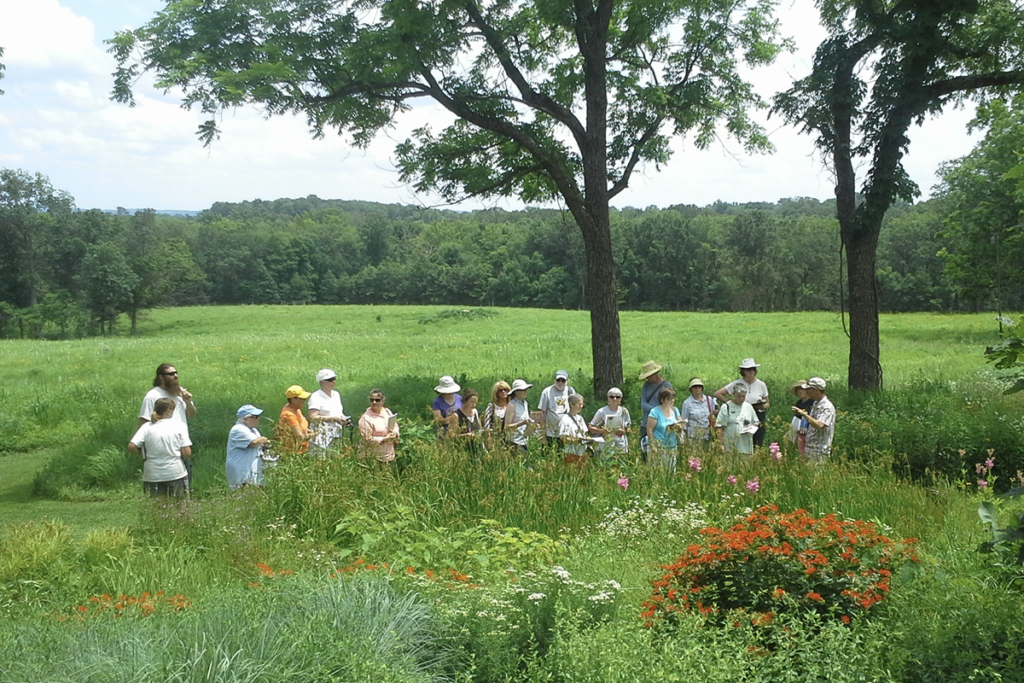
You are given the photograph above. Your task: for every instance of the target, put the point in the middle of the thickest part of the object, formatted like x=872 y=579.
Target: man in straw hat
x=653 y=383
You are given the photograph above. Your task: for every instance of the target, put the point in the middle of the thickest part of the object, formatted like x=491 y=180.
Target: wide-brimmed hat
x=447 y=386
x=816 y=383
x=749 y=364
x=696 y=382
x=247 y=410
x=325 y=375
x=799 y=384
x=295 y=391
x=520 y=384
x=649 y=368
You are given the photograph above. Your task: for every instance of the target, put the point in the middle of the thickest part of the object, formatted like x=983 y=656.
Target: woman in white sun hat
x=517 y=414
x=444 y=406
x=757 y=394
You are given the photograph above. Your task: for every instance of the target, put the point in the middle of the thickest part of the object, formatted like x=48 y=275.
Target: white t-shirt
x=154 y=395
x=574 y=426
x=555 y=404
x=161 y=443
x=757 y=390
x=601 y=418
x=329 y=405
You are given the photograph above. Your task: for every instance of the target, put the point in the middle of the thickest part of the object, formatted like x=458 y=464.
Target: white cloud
x=41 y=34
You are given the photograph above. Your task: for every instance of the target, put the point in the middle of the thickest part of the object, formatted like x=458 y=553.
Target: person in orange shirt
x=292 y=426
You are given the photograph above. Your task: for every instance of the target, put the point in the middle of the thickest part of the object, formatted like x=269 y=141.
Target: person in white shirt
x=326 y=414
x=553 y=404
x=165 y=385
x=572 y=429
x=164 y=447
x=612 y=423
x=736 y=423
x=756 y=391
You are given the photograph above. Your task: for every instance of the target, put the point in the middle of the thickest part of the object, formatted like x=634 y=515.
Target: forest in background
x=79 y=272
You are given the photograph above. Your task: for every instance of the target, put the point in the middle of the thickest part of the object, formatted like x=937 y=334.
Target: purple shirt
x=441 y=405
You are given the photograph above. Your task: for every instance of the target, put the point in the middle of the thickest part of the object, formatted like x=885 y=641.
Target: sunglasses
x=561 y=379
x=333 y=379
x=376 y=400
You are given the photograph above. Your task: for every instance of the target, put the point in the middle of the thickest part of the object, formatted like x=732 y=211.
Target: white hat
x=749 y=364
x=696 y=382
x=447 y=386
x=562 y=374
x=326 y=374
x=816 y=383
x=520 y=384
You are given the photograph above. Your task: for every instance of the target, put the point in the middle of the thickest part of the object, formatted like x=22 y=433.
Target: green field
x=483 y=538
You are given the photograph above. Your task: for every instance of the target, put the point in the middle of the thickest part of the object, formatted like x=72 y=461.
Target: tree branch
x=531 y=97
x=974 y=82
x=634 y=158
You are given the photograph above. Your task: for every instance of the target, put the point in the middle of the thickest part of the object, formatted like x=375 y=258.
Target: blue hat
x=247 y=410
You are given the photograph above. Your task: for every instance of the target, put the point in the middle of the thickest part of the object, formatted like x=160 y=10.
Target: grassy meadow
x=463 y=568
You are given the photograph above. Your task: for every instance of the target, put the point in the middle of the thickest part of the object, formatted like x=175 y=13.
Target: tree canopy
x=888 y=64
x=549 y=99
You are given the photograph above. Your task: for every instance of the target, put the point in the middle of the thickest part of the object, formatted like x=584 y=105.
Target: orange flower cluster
x=143 y=605
x=269 y=573
x=455 y=578
x=772 y=561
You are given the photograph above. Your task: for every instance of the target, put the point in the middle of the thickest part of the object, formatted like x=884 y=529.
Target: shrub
x=773 y=562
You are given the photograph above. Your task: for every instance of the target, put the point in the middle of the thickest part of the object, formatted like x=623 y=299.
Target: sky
x=56 y=118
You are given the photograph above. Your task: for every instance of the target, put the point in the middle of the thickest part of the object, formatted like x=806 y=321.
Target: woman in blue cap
x=245 y=449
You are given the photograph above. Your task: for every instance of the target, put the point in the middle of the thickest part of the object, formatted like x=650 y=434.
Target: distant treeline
x=80 y=271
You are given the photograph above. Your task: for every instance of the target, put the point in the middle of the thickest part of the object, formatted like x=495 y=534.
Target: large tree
x=983 y=240
x=885 y=65
x=550 y=99
x=33 y=216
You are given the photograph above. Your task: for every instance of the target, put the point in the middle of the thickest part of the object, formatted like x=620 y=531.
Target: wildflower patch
x=773 y=562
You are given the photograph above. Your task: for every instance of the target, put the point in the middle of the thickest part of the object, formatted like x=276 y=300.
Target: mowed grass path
x=17 y=504
x=57 y=394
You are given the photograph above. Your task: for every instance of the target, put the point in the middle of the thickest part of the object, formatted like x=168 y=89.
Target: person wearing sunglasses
x=165 y=385
x=379 y=428
x=326 y=413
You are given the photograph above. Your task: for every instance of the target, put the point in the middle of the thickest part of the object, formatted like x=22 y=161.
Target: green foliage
x=1008 y=355
x=1006 y=544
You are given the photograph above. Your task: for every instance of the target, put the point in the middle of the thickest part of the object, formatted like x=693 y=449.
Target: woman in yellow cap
x=292 y=426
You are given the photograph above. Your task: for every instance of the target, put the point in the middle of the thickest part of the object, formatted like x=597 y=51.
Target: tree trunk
x=602 y=299
x=865 y=368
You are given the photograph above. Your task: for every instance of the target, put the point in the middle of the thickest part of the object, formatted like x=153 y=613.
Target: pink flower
x=732 y=480
x=623 y=483
x=754 y=485
x=982 y=484
x=695 y=464
x=990 y=463
x=775 y=451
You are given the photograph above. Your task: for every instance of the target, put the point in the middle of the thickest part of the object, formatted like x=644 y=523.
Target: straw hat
x=799 y=384
x=649 y=368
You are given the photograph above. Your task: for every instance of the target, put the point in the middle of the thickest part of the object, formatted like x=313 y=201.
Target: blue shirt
x=661 y=434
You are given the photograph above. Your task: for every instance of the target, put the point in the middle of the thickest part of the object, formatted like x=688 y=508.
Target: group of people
x=733 y=417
